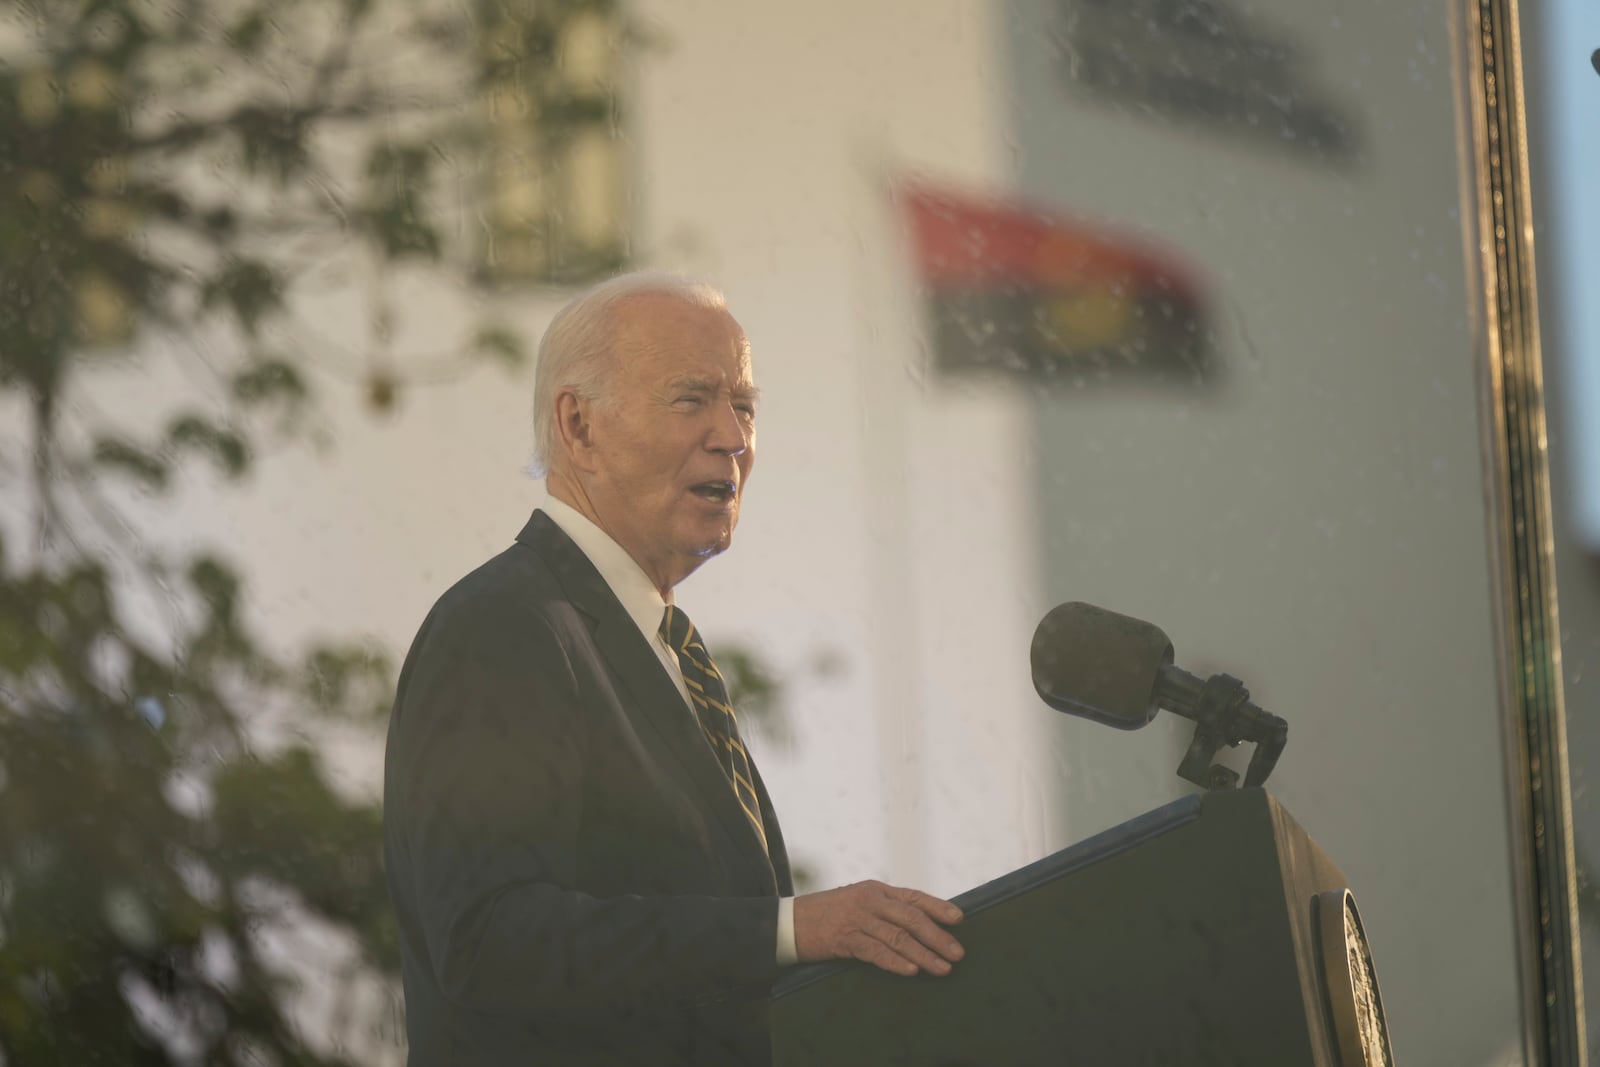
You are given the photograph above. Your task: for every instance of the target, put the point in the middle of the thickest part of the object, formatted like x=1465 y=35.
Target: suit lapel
x=656 y=707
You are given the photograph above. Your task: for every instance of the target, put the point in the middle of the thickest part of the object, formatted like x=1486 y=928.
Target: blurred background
x=1168 y=307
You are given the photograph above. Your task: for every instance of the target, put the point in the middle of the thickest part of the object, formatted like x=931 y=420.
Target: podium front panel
x=1186 y=936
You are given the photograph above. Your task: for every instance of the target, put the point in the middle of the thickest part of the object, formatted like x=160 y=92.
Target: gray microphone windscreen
x=1095 y=663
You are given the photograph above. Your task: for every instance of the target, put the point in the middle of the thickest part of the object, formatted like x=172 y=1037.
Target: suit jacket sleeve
x=488 y=746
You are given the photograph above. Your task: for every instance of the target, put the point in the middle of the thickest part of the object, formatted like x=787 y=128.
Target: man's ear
x=574 y=424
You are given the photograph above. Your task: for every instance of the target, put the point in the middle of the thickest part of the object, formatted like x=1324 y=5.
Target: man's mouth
x=716 y=492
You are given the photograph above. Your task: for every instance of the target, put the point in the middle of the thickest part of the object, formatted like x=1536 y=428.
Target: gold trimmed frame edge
x=1521 y=538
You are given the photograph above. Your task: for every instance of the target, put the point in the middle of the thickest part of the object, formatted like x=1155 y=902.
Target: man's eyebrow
x=703 y=385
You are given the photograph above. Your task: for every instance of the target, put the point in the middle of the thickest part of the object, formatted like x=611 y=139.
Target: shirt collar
x=638 y=594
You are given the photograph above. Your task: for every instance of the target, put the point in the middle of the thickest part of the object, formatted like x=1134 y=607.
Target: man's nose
x=729 y=434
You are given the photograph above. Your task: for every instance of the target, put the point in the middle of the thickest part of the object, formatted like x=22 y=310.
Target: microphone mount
x=1118 y=671
x=1221 y=710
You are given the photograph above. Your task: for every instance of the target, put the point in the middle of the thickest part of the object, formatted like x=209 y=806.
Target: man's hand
x=892 y=928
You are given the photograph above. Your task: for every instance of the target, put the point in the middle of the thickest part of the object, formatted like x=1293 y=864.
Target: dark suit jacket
x=574 y=879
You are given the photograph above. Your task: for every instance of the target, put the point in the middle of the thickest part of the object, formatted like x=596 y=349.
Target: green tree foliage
x=164 y=169
x=144 y=846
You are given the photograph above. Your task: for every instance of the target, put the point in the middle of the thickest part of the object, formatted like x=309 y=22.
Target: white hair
x=575 y=352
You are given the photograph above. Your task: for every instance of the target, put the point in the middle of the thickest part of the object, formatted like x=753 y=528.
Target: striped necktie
x=715 y=712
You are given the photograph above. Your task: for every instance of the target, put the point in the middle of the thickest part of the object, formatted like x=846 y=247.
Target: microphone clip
x=1223 y=715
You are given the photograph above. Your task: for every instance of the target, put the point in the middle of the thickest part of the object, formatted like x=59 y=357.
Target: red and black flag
x=1011 y=289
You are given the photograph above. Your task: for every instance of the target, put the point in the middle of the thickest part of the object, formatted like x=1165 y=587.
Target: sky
x=1571 y=85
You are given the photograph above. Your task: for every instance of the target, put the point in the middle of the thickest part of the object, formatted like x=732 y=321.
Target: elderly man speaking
x=584 y=862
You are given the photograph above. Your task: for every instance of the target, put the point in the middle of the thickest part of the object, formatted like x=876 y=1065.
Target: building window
x=556 y=206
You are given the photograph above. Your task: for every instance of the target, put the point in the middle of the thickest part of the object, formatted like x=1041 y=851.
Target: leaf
x=394 y=214
x=125 y=458
x=501 y=345
x=751 y=685
x=383 y=391
x=247 y=34
x=352 y=680
x=248 y=288
x=217 y=585
x=196 y=434
x=576 y=109
x=399 y=230
x=270 y=381
x=272 y=140
x=220 y=222
x=279 y=819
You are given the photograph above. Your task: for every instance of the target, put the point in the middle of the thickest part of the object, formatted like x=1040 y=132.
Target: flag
x=1014 y=290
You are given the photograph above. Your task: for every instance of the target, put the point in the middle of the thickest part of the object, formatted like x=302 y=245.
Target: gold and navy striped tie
x=715 y=711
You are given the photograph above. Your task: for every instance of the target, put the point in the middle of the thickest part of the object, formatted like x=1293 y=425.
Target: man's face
x=674 y=440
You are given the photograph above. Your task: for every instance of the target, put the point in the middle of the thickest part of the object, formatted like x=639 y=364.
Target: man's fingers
x=917 y=925
x=871 y=950
x=942 y=910
x=901 y=948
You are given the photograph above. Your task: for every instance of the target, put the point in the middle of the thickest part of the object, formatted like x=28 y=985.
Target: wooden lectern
x=1212 y=931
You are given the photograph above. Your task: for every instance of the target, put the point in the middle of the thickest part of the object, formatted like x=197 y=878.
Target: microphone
x=1099 y=665
x=1118 y=671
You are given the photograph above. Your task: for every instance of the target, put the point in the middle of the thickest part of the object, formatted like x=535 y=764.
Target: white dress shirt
x=645 y=605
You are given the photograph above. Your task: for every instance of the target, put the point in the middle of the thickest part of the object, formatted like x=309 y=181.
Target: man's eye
x=747 y=410
x=689 y=398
